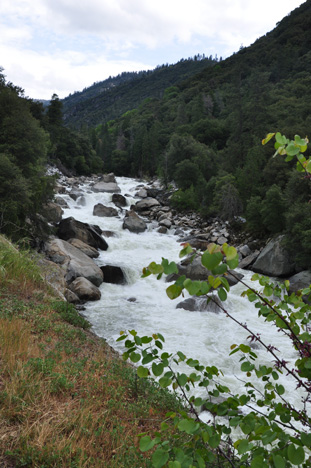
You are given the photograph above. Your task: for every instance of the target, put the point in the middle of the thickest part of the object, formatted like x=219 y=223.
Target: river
x=205 y=336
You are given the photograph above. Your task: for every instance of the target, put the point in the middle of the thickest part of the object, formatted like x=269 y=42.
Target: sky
x=63 y=46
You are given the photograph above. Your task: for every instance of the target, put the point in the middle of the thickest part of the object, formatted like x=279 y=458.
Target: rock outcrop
x=85 y=290
x=274 y=260
x=74 y=262
x=71 y=228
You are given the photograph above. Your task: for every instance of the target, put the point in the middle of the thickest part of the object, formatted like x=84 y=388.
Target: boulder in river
x=85 y=248
x=274 y=260
x=201 y=304
x=109 y=187
x=133 y=222
x=74 y=262
x=300 y=281
x=85 y=290
x=104 y=211
x=71 y=228
x=146 y=204
x=113 y=274
x=119 y=200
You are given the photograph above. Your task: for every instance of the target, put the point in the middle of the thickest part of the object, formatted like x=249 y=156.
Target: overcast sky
x=62 y=46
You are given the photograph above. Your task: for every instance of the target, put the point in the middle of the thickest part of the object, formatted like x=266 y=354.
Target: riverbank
x=67 y=399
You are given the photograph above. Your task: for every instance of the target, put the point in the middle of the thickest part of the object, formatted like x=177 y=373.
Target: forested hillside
x=109 y=99
x=205 y=134
x=30 y=137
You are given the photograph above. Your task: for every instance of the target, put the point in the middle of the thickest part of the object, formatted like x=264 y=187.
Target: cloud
x=60 y=46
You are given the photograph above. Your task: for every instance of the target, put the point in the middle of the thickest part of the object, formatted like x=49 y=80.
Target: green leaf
x=292 y=149
x=214 y=441
x=230 y=252
x=174 y=464
x=279 y=461
x=134 y=357
x=146 y=443
x=169 y=268
x=244 y=446
x=280 y=389
x=308 y=166
x=222 y=294
x=157 y=369
x=232 y=264
x=247 y=366
x=295 y=455
x=142 y=372
x=305 y=439
x=159 y=458
x=186 y=250
x=182 y=379
x=268 y=291
x=155 y=269
x=165 y=382
x=220 y=269
x=173 y=291
x=211 y=260
x=188 y=425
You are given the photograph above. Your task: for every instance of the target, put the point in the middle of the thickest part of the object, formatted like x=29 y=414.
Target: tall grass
x=17 y=267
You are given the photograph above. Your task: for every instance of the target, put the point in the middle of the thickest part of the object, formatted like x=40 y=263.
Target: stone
x=119 y=200
x=222 y=240
x=74 y=262
x=166 y=223
x=85 y=290
x=249 y=260
x=85 y=248
x=71 y=228
x=162 y=230
x=71 y=297
x=59 y=188
x=53 y=274
x=104 y=211
x=300 y=281
x=113 y=274
x=61 y=202
x=274 y=260
x=201 y=304
x=245 y=250
x=146 y=204
x=109 y=178
x=142 y=193
x=52 y=212
x=75 y=194
x=133 y=222
x=109 y=187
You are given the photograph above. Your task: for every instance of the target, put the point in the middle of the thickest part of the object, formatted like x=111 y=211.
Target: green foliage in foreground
x=259 y=427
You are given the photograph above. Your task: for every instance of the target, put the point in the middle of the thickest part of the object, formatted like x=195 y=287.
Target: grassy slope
x=66 y=399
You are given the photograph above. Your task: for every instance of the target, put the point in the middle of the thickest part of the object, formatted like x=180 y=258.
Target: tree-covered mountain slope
x=205 y=134
x=112 y=97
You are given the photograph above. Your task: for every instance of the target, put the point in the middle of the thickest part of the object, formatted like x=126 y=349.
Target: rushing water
x=205 y=336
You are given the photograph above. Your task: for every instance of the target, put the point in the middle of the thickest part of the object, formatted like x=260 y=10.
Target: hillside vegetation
x=205 y=134
x=109 y=99
x=67 y=400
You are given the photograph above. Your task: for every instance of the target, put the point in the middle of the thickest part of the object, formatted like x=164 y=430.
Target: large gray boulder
x=104 y=211
x=85 y=248
x=71 y=228
x=133 y=222
x=146 y=204
x=119 y=200
x=109 y=187
x=300 y=281
x=74 y=262
x=85 y=290
x=274 y=260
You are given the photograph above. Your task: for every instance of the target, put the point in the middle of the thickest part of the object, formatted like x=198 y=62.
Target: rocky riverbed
x=71 y=252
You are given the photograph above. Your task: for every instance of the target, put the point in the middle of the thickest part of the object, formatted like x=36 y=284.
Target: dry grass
x=66 y=399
